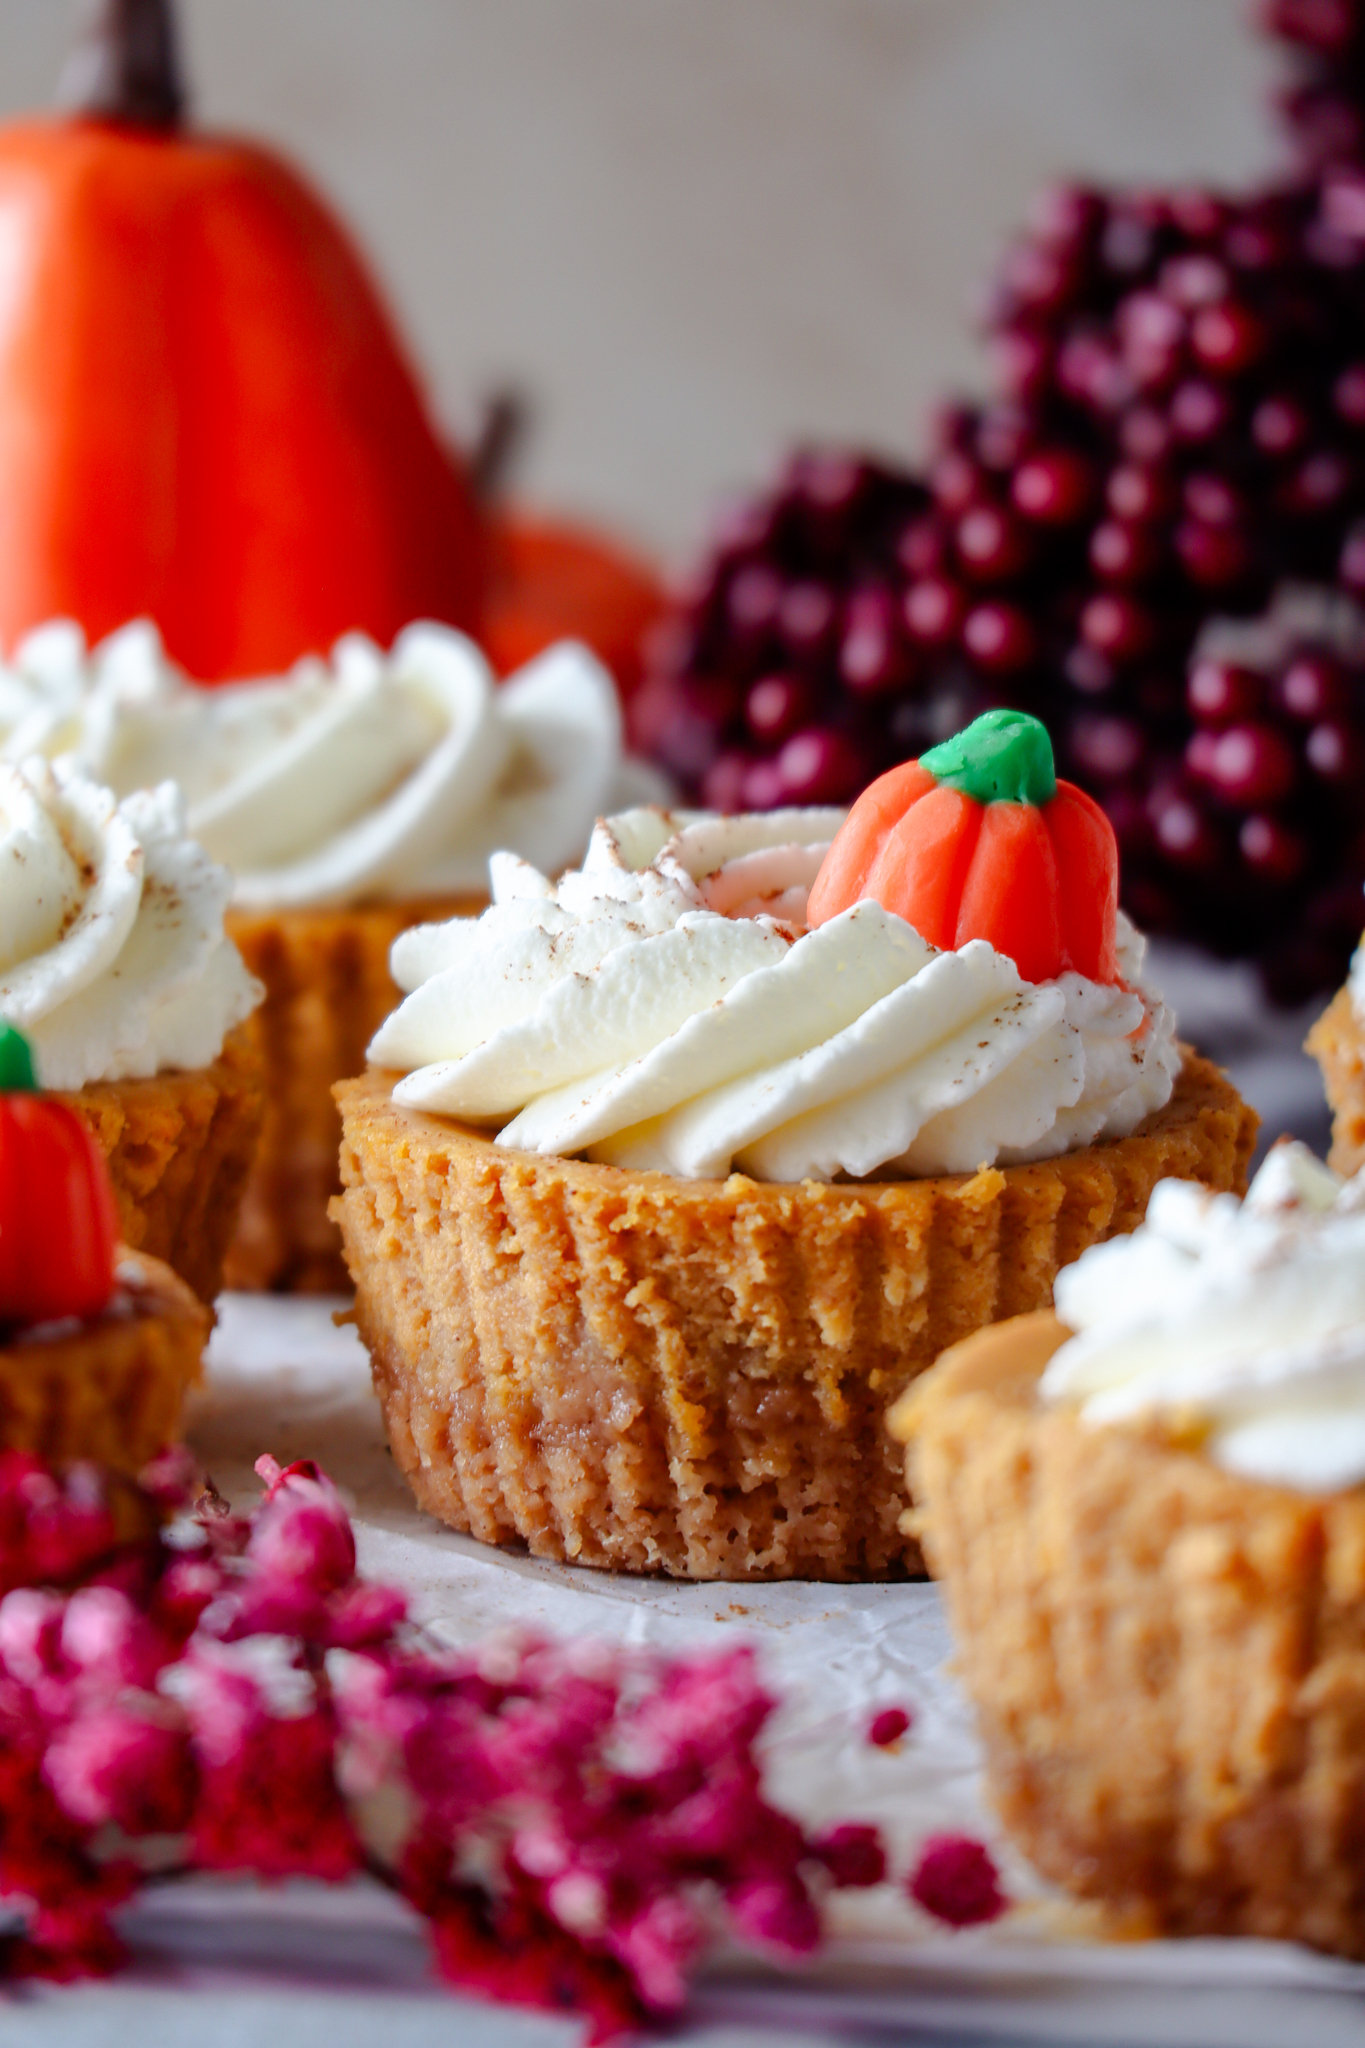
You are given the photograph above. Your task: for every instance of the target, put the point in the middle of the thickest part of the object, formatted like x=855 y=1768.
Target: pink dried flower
x=513 y=1952
x=301 y=1533
x=656 y=1946
x=108 y=1642
x=776 y=1913
x=852 y=1854
x=31 y=1634
x=238 y=1686
x=51 y=1531
x=171 y=1477
x=44 y=1863
x=956 y=1880
x=114 y=1765
x=362 y=1617
x=186 y=1588
x=888 y=1726
x=272 y=1805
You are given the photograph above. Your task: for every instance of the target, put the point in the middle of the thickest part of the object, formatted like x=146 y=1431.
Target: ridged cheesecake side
x=1167 y=1660
x=650 y=1374
x=111 y=1389
x=179 y=1148
x=327 y=991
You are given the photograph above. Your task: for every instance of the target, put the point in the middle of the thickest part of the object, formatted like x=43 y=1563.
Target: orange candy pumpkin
x=58 y=1216
x=979 y=840
x=205 y=413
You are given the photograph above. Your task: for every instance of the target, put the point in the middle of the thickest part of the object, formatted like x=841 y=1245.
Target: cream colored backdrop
x=696 y=228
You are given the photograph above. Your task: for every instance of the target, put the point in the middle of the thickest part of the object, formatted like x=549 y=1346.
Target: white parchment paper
x=283 y=1379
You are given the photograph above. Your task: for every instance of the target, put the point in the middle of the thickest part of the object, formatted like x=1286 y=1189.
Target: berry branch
x=611 y=1801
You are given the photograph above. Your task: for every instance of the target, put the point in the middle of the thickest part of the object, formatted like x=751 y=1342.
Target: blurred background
x=695 y=230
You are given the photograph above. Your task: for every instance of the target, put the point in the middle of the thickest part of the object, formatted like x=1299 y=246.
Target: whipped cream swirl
x=113 y=961
x=1241 y=1324
x=664 y=1007
x=1355 y=981
x=370 y=776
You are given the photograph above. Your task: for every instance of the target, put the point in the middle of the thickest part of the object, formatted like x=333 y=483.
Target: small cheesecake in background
x=1147 y=1512
x=98 y=1345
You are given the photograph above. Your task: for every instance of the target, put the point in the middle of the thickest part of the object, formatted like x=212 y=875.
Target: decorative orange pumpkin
x=549 y=580
x=205 y=413
x=58 y=1216
x=979 y=840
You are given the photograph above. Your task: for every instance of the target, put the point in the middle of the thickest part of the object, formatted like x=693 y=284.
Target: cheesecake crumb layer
x=1167 y=1661
x=650 y=1374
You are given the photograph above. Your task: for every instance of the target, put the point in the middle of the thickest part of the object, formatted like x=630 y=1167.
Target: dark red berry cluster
x=1269 y=790
x=790 y=675
x=1179 y=428
x=1324 y=103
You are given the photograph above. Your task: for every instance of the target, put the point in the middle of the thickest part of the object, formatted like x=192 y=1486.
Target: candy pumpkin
x=58 y=1218
x=205 y=414
x=979 y=840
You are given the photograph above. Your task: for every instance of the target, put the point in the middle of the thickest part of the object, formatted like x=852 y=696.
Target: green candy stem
x=1003 y=757
x=16 y=1063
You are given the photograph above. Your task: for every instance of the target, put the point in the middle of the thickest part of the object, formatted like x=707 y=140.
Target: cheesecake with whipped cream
x=1148 y=1514
x=116 y=966
x=655 y=1196
x=350 y=798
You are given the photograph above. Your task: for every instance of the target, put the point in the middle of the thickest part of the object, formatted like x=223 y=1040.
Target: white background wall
x=697 y=228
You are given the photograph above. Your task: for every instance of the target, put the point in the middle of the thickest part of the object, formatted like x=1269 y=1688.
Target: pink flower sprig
x=575 y=1822
x=956 y=1880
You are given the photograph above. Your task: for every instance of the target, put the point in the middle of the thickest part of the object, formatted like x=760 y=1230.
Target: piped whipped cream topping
x=370 y=776
x=1241 y=1324
x=113 y=961
x=665 y=1007
x=1355 y=981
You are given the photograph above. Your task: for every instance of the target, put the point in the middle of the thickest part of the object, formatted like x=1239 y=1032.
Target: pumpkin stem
x=496 y=446
x=16 y=1063
x=126 y=66
x=1002 y=757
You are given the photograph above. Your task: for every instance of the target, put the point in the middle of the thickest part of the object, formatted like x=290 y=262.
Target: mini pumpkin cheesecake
x=115 y=966
x=98 y=1345
x=1147 y=1511
x=669 y=1176
x=349 y=799
x=369 y=520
